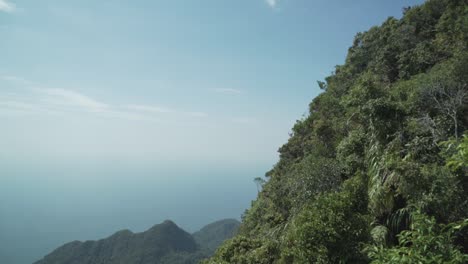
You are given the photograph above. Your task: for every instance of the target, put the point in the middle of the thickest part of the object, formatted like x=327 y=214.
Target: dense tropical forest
x=377 y=171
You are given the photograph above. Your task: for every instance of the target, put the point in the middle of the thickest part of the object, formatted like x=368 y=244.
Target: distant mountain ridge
x=212 y=235
x=165 y=243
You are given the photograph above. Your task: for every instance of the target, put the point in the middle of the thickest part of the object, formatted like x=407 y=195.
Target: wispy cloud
x=33 y=98
x=129 y=115
x=228 y=91
x=149 y=108
x=272 y=3
x=29 y=93
x=6 y=6
x=64 y=97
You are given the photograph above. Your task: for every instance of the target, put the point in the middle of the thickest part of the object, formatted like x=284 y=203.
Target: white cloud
x=6 y=6
x=272 y=3
x=149 y=108
x=228 y=91
x=57 y=96
x=129 y=115
x=64 y=97
x=32 y=98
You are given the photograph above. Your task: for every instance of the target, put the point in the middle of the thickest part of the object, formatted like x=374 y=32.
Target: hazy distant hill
x=212 y=235
x=165 y=243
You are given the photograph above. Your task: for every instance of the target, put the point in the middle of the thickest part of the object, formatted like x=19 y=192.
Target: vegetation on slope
x=165 y=243
x=377 y=172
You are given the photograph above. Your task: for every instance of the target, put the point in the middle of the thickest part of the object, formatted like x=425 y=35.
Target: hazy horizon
x=43 y=208
x=121 y=114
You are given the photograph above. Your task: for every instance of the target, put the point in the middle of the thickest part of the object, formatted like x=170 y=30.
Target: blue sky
x=192 y=80
x=120 y=114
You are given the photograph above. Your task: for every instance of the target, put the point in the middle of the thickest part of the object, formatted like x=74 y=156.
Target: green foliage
x=436 y=191
x=425 y=242
x=378 y=126
x=456 y=153
x=311 y=177
x=332 y=228
x=351 y=151
x=243 y=250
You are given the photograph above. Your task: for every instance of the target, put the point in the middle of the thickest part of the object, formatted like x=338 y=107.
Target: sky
x=121 y=114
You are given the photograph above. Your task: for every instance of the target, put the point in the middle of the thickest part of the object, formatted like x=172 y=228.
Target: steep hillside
x=377 y=172
x=165 y=243
x=212 y=235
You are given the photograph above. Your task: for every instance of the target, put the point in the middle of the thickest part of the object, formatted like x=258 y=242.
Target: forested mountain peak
x=377 y=171
x=162 y=243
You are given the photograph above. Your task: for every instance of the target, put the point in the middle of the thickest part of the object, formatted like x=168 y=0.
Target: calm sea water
x=46 y=204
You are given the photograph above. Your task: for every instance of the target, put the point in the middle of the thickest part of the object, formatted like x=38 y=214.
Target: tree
x=456 y=152
x=259 y=182
x=425 y=242
x=449 y=100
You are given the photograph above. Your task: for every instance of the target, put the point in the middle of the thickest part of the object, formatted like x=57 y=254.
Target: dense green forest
x=377 y=171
